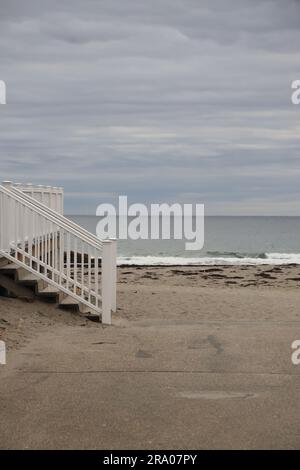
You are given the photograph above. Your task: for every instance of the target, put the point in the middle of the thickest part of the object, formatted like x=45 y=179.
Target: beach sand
x=197 y=357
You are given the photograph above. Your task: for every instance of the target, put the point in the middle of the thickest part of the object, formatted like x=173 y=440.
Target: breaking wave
x=212 y=258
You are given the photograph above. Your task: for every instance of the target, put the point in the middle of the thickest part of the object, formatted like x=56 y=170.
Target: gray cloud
x=175 y=100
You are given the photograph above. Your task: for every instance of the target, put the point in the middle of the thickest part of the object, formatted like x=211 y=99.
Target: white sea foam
x=268 y=258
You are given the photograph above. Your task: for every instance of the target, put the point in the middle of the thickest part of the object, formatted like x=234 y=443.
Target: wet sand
x=215 y=276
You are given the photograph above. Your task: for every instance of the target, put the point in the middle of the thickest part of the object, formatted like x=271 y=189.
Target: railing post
x=7 y=218
x=62 y=201
x=114 y=274
x=106 y=278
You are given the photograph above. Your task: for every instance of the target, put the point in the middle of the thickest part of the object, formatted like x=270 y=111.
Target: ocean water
x=228 y=240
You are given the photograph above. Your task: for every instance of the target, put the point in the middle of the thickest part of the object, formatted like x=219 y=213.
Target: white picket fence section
x=50 y=196
x=37 y=237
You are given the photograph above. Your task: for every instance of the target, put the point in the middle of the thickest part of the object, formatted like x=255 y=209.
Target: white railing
x=72 y=225
x=58 y=251
x=52 y=197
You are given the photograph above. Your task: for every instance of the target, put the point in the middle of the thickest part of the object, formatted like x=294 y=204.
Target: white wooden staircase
x=44 y=254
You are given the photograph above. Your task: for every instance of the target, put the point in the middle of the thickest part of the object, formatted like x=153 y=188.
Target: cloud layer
x=168 y=100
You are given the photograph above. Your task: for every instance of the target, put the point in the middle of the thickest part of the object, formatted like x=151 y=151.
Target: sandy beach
x=197 y=357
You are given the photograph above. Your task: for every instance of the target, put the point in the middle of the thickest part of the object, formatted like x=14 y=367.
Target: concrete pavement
x=155 y=382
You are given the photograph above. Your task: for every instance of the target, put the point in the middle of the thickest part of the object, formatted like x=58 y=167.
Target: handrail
x=54 y=217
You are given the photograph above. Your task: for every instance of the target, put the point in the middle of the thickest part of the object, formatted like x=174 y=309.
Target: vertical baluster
x=4 y=230
x=47 y=245
x=82 y=270
x=30 y=223
x=49 y=248
x=7 y=212
x=55 y=252
x=68 y=259
x=89 y=272
x=15 y=217
x=42 y=242
x=75 y=265
x=16 y=225
x=40 y=248
x=12 y=223
x=45 y=242
x=51 y=259
x=96 y=277
x=2 y=209
x=11 y=228
x=2 y=245
x=8 y=221
x=61 y=255
x=51 y=252
x=34 y=217
x=38 y=241
x=58 y=254
x=23 y=214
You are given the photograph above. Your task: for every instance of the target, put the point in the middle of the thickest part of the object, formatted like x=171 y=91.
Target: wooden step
x=15 y=289
x=11 y=270
x=28 y=278
x=68 y=300
x=9 y=267
x=4 y=261
x=85 y=309
x=49 y=291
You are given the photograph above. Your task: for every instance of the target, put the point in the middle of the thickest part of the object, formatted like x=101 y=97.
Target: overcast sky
x=161 y=100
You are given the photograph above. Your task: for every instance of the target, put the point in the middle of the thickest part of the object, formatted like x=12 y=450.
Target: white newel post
x=114 y=275
x=7 y=217
x=106 y=277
